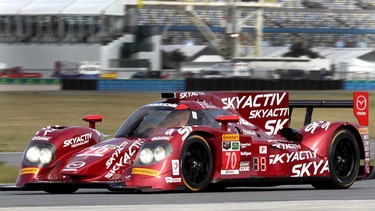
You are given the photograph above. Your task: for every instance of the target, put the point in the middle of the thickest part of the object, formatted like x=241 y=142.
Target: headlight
x=39 y=154
x=146 y=156
x=45 y=156
x=152 y=153
x=33 y=154
x=159 y=153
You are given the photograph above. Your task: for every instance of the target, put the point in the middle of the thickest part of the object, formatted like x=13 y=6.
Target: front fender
x=64 y=142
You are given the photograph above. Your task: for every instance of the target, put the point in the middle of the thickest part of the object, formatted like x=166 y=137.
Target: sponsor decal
x=205 y=105
x=116 y=154
x=144 y=171
x=230 y=137
x=262 y=149
x=266 y=113
x=98 y=132
x=29 y=171
x=78 y=140
x=292 y=156
x=367 y=168
x=185 y=131
x=269 y=109
x=229 y=172
x=190 y=94
x=235 y=145
x=161 y=138
x=175 y=167
x=231 y=146
x=285 y=146
x=194 y=115
x=49 y=129
x=245 y=122
x=367 y=143
x=245 y=154
x=124 y=160
x=314 y=125
x=74 y=166
x=169 y=132
x=363 y=130
x=245 y=166
x=310 y=169
x=273 y=126
x=249 y=132
x=173 y=180
x=257 y=101
x=226 y=145
x=41 y=138
x=245 y=145
x=230 y=154
x=161 y=104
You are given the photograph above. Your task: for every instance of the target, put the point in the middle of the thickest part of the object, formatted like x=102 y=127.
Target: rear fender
x=318 y=135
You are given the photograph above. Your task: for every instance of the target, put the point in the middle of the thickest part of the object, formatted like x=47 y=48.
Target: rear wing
x=360 y=105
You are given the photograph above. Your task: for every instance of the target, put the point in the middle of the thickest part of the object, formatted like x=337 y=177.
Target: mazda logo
x=76 y=165
x=361 y=103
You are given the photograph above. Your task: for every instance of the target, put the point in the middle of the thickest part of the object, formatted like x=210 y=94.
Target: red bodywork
x=247 y=149
x=17 y=72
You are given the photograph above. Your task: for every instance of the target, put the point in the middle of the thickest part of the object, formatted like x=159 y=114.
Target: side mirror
x=291 y=134
x=224 y=120
x=91 y=119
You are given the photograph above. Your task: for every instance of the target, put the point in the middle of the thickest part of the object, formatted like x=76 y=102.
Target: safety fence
x=130 y=85
x=192 y=84
x=259 y=84
x=29 y=81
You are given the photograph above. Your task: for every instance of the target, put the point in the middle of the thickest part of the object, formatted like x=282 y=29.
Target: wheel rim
x=344 y=159
x=195 y=164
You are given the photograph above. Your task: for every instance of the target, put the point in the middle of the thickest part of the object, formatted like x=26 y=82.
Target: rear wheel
x=343 y=161
x=196 y=163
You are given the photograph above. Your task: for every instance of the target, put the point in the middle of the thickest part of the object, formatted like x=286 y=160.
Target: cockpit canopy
x=153 y=117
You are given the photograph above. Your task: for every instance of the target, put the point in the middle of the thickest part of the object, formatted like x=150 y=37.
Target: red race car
x=200 y=141
x=17 y=72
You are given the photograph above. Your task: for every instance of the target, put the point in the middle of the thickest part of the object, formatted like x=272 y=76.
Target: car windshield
x=151 y=118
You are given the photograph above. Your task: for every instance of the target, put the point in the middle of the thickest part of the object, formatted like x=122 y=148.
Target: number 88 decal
x=259 y=162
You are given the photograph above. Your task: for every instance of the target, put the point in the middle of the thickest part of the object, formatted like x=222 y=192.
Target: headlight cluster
x=39 y=154
x=153 y=153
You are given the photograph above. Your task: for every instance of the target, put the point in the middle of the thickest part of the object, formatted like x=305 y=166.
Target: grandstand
x=37 y=33
x=323 y=23
x=121 y=35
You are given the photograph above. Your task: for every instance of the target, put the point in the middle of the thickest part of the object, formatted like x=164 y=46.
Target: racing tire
x=196 y=163
x=60 y=190
x=344 y=161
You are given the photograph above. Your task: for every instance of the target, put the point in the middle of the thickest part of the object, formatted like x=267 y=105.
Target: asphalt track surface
x=300 y=197
x=360 y=196
x=289 y=197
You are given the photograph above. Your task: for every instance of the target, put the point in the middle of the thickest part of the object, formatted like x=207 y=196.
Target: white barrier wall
x=43 y=56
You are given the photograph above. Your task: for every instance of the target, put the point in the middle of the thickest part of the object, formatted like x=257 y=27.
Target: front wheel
x=343 y=161
x=196 y=163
